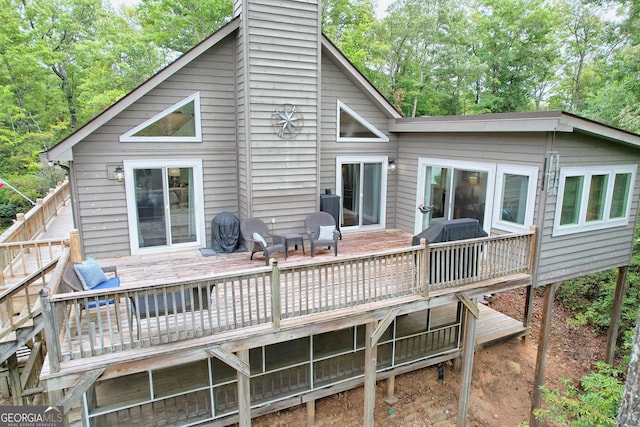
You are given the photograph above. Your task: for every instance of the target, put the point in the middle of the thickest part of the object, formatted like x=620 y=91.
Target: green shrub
x=594 y=403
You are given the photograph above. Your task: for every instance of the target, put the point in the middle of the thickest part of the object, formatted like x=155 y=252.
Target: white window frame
x=384 y=160
x=423 y=162
x=196 y=165
x=381 y=137
x=129 y=136
x=587 y=172
x=528 y=171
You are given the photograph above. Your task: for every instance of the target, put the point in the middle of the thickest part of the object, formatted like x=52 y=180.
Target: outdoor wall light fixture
x=118 y=172
x=392 y=166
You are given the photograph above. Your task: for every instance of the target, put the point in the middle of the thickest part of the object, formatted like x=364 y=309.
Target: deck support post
x=390 y=397
x=543 y=345
x=311 y=413
x=614 y=322
x=528 y=309
x=467 y=365
x=424 y=267
x=370 y=364
x=244 y=390
x=14 y=379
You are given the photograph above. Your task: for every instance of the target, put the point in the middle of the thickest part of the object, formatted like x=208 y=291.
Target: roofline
x=359 y=78
x=537 y=121
x=62 y=150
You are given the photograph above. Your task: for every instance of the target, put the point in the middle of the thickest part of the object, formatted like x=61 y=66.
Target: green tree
x=514 y=40
x=178 y=25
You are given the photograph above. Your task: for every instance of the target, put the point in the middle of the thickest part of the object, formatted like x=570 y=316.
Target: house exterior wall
x=575 y=255
x=101 y=201
x=278 y=175
x=336 y=86
x=498 y=148
x=560 y=257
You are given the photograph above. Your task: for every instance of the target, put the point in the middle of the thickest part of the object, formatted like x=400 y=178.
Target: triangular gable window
x=178 y=123
x=353 y=128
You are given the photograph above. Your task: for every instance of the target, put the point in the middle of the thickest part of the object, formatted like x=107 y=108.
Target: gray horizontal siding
x=102 y=202
x=575 y=255
x=335 y=85
x=278 y=177
x=509 y=149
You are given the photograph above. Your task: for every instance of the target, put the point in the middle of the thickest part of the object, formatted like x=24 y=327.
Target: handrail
x=92 y=323
x=30 y=224
x=20 y=259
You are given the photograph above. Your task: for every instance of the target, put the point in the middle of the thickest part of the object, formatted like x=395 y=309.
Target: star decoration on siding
x=287 y=121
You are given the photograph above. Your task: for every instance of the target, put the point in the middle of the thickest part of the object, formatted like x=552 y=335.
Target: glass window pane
x=597 y=197
x=350 y=195
x=149 y=188
x=180 y=122
x=371 y=193
x=514 y=198
x=571 y=200
x=470 y=194
x=352 y=128
x=620 y=198
x=436 y=193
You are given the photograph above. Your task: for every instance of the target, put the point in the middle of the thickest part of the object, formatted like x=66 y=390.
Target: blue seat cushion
x=114 y=282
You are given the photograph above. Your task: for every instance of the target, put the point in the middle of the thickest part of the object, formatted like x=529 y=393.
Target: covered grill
x=225 y=233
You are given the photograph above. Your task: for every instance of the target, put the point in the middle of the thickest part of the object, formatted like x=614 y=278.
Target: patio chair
x=256 y=233
x=90 y=276
x=321 y=229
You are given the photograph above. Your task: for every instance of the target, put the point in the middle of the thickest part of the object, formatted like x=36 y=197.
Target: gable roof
x=537 y=121
x=63 y=149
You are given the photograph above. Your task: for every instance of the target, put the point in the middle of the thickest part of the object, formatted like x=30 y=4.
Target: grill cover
x=225 y=233
x=448 y=231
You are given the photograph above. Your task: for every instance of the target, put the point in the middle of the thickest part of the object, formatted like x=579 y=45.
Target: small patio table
x=292 y=238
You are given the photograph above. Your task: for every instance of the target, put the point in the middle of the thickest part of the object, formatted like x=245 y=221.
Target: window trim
x=532 y=173
x=381 y=137
x=587 y=172
x=488 y=168
x=129 y=135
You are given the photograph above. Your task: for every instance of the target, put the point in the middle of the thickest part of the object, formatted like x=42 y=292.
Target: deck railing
x=16 y=242
x=91 y=323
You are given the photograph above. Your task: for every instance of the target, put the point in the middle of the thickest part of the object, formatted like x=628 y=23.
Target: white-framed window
x=453 y=189
x=178 y=123
x=591 y=198
x=165 y=204
x=351 y=127
x=362 y=187
x=515 y=196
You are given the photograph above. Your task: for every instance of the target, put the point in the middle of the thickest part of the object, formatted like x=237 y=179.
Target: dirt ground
x=502 y=380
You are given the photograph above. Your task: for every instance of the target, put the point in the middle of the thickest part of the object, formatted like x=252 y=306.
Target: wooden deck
x=154 y=269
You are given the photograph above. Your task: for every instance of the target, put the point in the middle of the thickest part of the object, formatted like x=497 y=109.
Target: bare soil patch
x=502 y=381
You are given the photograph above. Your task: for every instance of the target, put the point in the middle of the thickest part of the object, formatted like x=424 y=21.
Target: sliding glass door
x=164 y=204
x=362 y=185
x=454 y=190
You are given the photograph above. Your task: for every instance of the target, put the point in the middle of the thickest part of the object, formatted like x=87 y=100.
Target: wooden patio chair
x=256 y=233
x=322 y=231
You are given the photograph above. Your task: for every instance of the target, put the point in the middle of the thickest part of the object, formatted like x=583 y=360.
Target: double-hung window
x=593 y=198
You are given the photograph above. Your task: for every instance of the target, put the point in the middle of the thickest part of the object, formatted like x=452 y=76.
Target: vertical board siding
x=102 y=205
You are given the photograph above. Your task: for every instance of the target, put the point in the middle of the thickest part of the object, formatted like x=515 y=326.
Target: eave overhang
x=539 y=121
x=63 y=150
